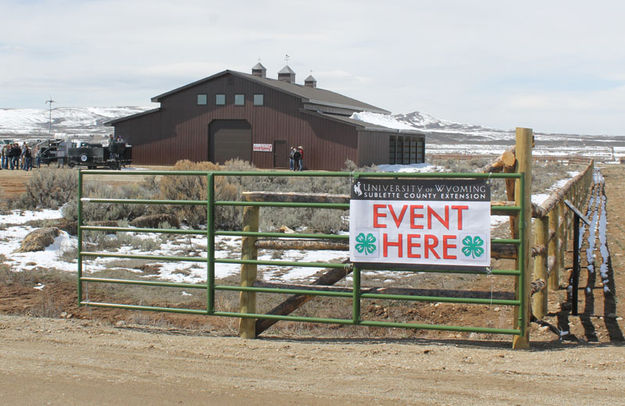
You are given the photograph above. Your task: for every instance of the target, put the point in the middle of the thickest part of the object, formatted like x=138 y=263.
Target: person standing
x=300 y=164
x=28 y=159
x=296 y=158
x=37 y=154
x=22 y=156
x=3 y=157
x=61 y=153
x=292 y=159
x=16 y=152
x=9 y=156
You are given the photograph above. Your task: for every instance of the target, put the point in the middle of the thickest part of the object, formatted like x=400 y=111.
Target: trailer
x=114 y=156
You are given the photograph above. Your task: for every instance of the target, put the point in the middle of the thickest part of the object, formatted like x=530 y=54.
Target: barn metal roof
x=143 y=113
x=314 y=95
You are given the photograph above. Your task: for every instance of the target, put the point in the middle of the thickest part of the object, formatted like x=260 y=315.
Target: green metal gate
x=356 y=295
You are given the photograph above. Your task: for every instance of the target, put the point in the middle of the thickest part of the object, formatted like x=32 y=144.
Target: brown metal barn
x=257 y=119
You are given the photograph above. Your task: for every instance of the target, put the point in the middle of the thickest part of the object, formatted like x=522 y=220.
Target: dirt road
x=13 y=183
x=55 y=361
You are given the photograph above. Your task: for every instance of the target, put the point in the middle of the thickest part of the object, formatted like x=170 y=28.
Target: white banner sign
x=262 y=147
x=410 y=223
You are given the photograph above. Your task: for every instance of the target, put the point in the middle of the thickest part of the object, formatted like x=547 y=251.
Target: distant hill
x=66 y=121
x=426 y=122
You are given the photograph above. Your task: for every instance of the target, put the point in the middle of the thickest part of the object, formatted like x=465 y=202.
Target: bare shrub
x=49 y=188
x=350 y=166
x=7 y=203
x=46 y=306
x=183 y=187
x=111 y=211
x=70 y=255
x=229 y=188
x=313 y=220
x=545 y=173
x=103 y=241
x=329 y=221
x=462 y=165
x=142 y=318
x=7 y=277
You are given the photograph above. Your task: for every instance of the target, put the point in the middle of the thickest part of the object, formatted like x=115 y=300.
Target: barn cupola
x=259 y=70
x=286 y=74
x=310 y=81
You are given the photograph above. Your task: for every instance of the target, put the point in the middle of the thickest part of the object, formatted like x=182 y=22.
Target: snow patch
x=412 y=168
x=384 y=120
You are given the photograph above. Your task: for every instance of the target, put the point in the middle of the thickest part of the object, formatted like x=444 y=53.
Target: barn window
x=259 y=99
x=220 y=99
x=406 y=150
x=399 y=153
x=420 y=151
x=239 y=99
x=406 y=158
x=202 y=99
x=413 y=150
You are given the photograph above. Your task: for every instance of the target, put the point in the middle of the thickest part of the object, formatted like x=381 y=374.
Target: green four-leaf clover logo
x=365 y=244
x=473 y=247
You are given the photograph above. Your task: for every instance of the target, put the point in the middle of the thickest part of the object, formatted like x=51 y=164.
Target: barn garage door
x=230 y=139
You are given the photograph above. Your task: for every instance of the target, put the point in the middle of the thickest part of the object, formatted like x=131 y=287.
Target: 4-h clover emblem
x=365 y=244
x=473 y=247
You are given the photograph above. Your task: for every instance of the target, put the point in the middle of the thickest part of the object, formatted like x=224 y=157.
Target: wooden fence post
x=247 y=326
x=539 y=300
x=524 y=141
x=553 y=250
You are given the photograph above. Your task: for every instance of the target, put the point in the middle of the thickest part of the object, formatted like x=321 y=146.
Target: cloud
x=487 y=62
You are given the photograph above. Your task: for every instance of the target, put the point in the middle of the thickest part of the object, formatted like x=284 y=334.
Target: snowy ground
x=228 y=247
x=541 y=197
x=61 y=254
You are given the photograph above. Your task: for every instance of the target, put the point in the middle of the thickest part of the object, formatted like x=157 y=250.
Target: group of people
x=296 y=159
x=14 y=157
x=115 y=139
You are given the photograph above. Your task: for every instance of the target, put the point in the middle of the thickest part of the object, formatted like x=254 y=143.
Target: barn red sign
x=262 y=147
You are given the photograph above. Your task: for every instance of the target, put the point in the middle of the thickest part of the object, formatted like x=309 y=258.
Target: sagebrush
x=53 y=188
x=49 y=188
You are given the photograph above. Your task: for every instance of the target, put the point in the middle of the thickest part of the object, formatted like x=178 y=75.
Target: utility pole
x=50 y=126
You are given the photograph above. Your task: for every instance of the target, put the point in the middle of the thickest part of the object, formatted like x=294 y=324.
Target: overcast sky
x=554 y=66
